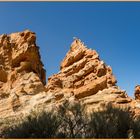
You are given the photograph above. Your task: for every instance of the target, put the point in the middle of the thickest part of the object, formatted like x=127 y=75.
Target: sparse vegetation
x=70 y=121
x=73 y=121
x=39 y=124
x=136 y=127
x=110 y=123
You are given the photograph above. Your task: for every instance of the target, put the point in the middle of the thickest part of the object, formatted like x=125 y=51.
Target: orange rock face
x=137 y=92
x=81 y=69
x=21 y=70
x=82 y=77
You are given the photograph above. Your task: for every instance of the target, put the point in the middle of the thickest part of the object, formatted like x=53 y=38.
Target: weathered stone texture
x=83 y=77
x=21 y=70
x=86 y=78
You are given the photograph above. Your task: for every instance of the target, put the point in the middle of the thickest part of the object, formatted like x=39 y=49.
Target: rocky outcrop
x=137 y=92
x=21 y=71
x=83 y=77
x=86 y=78
x=82 y=69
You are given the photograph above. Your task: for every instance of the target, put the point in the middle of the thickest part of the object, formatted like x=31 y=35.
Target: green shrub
x=110 y=123
x=73 y=122
x=67 y=122
x=136 y=127
x=70 y=121
x=37 y=125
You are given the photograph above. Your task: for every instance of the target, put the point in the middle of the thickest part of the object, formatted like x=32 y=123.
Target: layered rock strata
x=82 y=77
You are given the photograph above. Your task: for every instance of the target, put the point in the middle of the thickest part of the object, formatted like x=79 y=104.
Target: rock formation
x=82 y=77
x=137 y=92
x=21 y=71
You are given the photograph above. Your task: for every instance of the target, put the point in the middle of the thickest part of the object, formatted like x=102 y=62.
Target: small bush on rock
x=37 y=125
x=111 y=122
x=73 y=120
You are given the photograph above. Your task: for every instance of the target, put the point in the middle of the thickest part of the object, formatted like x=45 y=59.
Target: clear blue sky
x=111 y=28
